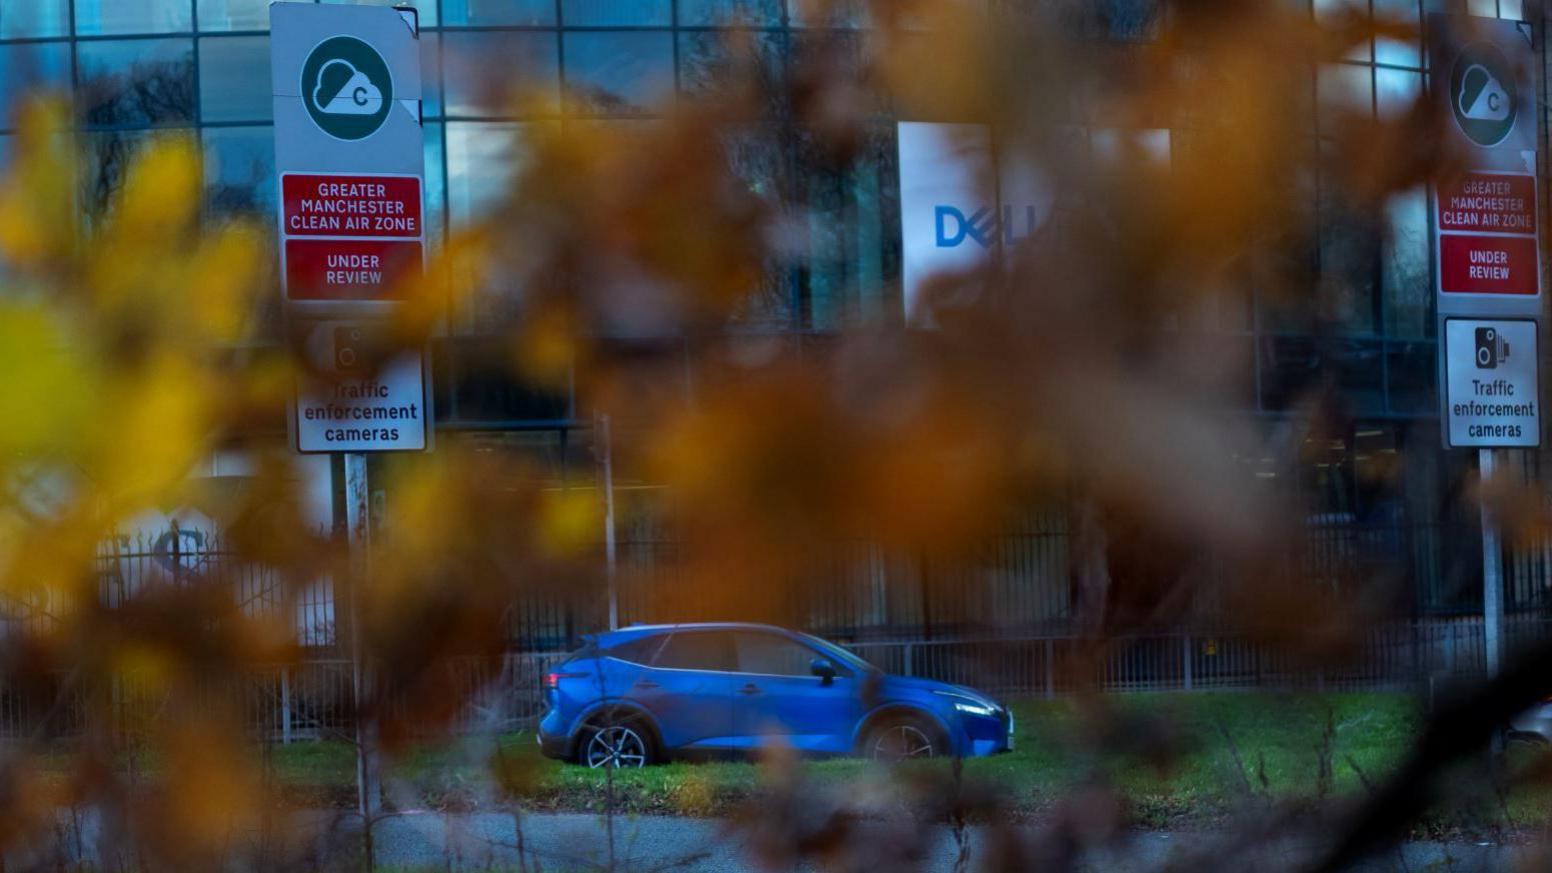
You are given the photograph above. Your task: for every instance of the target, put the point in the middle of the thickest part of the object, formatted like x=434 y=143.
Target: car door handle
x=646 y=683
x=750 y=688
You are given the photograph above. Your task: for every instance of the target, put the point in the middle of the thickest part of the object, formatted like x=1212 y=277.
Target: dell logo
x=982 y=226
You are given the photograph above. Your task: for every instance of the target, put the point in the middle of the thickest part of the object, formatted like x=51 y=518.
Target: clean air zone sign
x=349 y=152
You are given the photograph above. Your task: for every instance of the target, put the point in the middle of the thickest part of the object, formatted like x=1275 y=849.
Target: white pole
x=606 y=448
x=358 y=522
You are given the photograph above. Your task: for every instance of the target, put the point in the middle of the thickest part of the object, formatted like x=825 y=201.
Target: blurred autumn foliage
x=1075 y=375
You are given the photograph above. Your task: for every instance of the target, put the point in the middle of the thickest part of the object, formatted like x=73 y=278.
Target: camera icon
x=1491 y=348
x=348 y=351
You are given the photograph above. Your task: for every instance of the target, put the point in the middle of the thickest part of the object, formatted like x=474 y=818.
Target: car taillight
x=552 y=680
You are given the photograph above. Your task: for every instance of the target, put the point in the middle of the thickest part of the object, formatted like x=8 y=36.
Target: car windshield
x=840 y=654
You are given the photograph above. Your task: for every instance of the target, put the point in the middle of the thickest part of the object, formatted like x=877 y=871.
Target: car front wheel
x=903 y=739
x=621 y=744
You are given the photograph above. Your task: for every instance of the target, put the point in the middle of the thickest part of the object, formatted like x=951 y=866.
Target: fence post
x=285 y=706
x=1185 y=659
x=1050 y=668
x=908 y=665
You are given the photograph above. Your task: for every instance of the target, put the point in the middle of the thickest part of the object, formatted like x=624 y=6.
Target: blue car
x=640 y=695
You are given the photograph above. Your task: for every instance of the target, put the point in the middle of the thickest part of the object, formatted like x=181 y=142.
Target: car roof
x=634 y=631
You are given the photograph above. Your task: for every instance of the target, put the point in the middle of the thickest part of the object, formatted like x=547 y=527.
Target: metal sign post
x=349 y=154
x=1487 y=255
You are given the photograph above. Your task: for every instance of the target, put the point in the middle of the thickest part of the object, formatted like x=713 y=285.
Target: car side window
x=637 y=651
x=695 y=650
x=775 y=655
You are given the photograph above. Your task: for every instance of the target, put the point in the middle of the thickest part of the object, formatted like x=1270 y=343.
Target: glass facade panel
x=426 y=8
x=757 y=13
x=94 y=17
x=1404 y=50
x=482 y=159
x=1405 y=279
x=34 y=18
x=228 y=68
x=233 y=14
x=431 y=74
x=240 y=171
x=707 y=57
x=620 y=73
x=28 y=68
x=529 y=76
x=616 y=13
x=841 y=13
x=488 y=13
x=1397 y=92
x=136 y=82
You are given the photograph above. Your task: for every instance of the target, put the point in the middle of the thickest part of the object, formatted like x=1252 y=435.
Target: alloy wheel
x=901 y=742
x=616 y=746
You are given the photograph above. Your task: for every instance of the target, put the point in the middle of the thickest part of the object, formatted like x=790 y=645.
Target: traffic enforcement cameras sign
x=1492 y=398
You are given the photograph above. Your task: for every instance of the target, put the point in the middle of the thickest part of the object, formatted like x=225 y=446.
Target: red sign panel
x=1488 y=202
x=338 y=269
x=354 y=206
x=1487 y=264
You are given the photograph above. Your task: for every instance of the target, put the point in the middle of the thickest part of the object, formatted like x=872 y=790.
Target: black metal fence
x=920 y=618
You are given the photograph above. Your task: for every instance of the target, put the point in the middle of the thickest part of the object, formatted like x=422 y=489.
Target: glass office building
x=134 y=68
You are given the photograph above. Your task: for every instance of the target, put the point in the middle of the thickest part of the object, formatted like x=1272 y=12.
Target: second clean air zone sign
x=347 y=88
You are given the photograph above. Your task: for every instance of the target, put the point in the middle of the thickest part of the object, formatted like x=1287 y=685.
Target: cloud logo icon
x=344 y=90
x=1482 y=97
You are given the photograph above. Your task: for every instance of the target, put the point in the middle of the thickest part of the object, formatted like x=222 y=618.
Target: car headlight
x=970 y=705
x=974 y=708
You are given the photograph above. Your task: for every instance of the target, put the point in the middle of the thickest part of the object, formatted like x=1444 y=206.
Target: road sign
x=1485 y=217
x=350 y=155
x=349 y=152
x=351 y=403
x=1492 y=398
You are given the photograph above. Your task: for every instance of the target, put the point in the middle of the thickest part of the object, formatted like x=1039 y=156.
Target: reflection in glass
x=488 y=12
x=529 y=70
x=138 y=81
x=1401 y=51
x=434 y=196
x=1404 y=265
x=758 y=13
x=240 y=171
x=1396 y=92
x=105 y=160
x=233 y=14
x=708 y=58
x=133 y=16
x=34 y=18
x=233 y=71
x=482 y=160
x=27 y=68
x=611 y=13
x=620 y=73
x=427 y=9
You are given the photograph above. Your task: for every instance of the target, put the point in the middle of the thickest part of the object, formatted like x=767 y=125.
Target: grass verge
x=1176 y=761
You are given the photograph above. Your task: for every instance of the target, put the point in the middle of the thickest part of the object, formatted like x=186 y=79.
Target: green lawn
x=1177 y=759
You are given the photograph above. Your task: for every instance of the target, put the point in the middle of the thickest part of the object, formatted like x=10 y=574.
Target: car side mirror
x=822 y=668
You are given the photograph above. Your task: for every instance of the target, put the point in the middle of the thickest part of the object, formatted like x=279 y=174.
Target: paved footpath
x=568 y=841
x=572 y=843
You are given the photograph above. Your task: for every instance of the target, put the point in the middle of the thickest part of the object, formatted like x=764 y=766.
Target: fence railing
x=311 y=700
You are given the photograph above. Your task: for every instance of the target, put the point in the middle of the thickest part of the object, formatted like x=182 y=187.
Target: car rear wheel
x=619 y=744
x=903 y=739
